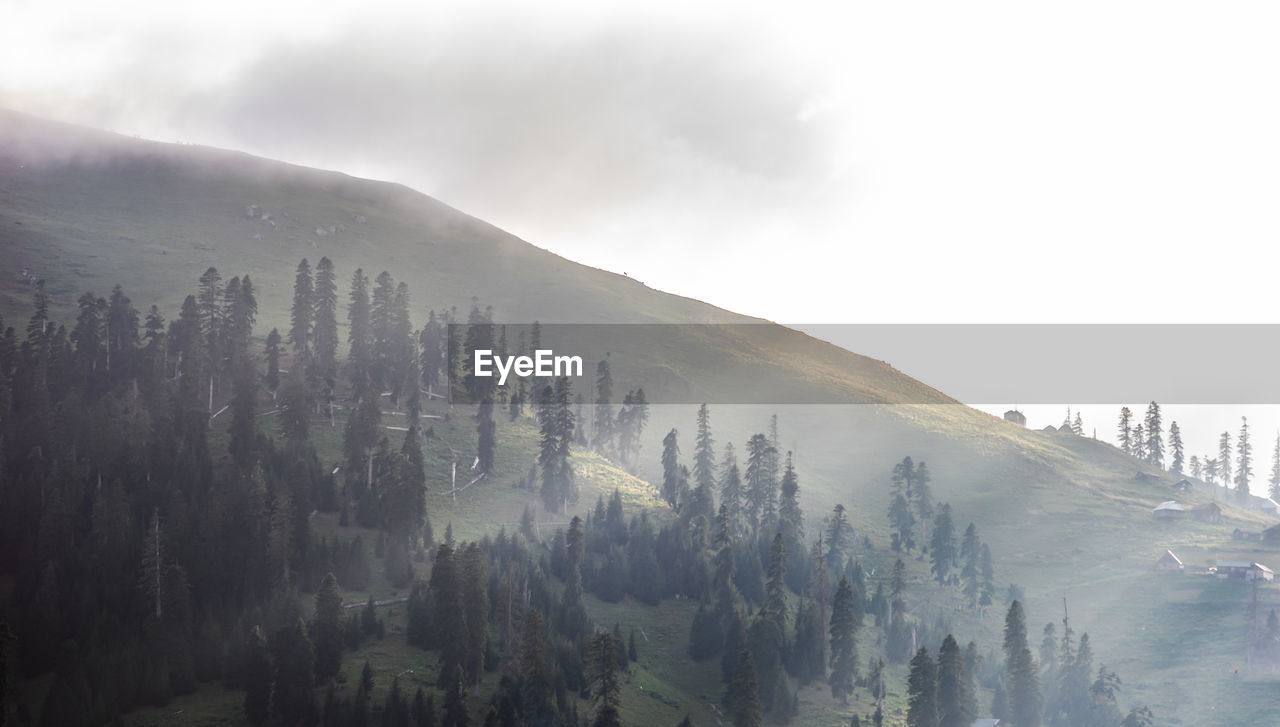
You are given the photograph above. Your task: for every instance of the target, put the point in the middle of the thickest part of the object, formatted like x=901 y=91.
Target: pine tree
x=535 y=666
x=760 y=488
x=573 y=620
x=302 y=315
x=155 y=566
x=241 y=311
x=326 y=628
x=844 y=653
x=1244 y=460
x=603 y=436
x=922 y=691
x=972 y=661
x=724 y=569
x=839 y=535
x=430 y=351
x=769 y=511
x=1155 y=442
x=1020 y=670
x=381 y=317
x=953 y=698
x=809 y=646
x=191 y=354
x=555 y=420
x=1138 y=442
x=704 y=465
x=1210 y=470
x=775 y=598
x=971 y=554
x=449 y=617
x=1175 y=448
x=361 y=434
x=1224 y=459
x=731 y=489
x=790 y=517
x=325 y=318
x=744 y=702
x=122 y=335
x=474 y=573
x=209 y=303
x=293 y=663
x=670 y=468
x=1102 y=695
x=631 y=422
x=900 y=515
x=942 y=546
x=295 y=406
x=921 y=498
x=1139 y=717
x=359 y=333
x=602 y=656
x=1075 y=702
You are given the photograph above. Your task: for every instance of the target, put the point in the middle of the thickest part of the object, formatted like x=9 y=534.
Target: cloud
x=490 y=117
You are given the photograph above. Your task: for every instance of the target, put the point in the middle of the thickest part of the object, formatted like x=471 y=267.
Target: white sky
x=905 y=161
x=883 y=162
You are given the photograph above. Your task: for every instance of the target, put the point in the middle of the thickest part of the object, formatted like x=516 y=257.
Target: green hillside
x=1065 y=516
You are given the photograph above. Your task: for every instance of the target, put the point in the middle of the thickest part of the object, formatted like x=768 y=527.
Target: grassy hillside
x=1064 y=516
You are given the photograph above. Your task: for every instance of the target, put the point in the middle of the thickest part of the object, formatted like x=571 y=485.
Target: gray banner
x=876 y=364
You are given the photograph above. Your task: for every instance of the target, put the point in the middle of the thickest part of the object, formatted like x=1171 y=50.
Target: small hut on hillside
x=1209 y=512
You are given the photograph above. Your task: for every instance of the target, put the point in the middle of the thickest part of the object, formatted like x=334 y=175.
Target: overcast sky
x=903 y=161
x=887 y=162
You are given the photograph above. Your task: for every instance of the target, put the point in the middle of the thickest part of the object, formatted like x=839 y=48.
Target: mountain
x=1064 y=515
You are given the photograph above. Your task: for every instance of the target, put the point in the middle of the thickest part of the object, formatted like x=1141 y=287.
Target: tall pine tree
x=1021 y=678
x=302 y=314
x=1244 y=460
x=922 y=691
x=1126 y=430
x=1177 y=454
x=671 y=468
x=1224 y=459
x=844 y=647
x=1155 y=439
x=326 y=628
x=953 y=698
x=359 y=333
x=325 y=317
